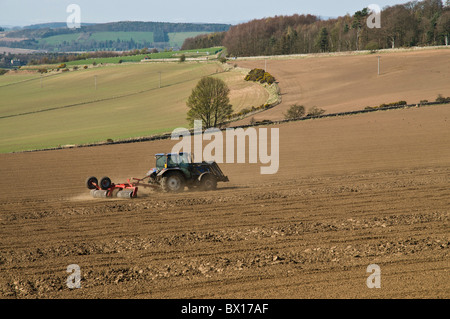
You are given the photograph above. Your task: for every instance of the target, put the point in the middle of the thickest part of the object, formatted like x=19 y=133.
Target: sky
x=27 y=12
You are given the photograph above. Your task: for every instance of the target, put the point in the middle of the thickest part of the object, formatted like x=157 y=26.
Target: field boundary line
x=167 y=136
x=340 y=53
x=27 y=80
x=376 y=109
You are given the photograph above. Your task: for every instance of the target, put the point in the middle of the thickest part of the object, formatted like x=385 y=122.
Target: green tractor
x=174 y=172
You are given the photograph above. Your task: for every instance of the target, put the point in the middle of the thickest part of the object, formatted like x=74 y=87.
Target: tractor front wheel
x=173 y=183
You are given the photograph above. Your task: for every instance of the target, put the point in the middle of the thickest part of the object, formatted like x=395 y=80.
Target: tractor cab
x=179 y=160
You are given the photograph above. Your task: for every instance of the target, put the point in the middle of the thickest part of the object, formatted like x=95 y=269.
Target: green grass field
x=140 y=57
x=105 y=102
x=113 y=36
x=176 y=39
x=60 y=38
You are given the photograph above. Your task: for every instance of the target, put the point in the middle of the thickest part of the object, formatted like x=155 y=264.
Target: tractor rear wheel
x=173 y=182
x=208 y=183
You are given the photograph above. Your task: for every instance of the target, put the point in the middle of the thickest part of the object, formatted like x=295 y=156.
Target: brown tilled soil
x=351 y=192
x=351 y=82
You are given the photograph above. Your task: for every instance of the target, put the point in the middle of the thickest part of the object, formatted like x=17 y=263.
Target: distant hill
x=114 y=36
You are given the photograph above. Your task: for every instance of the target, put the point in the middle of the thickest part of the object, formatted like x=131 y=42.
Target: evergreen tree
x=322 y=40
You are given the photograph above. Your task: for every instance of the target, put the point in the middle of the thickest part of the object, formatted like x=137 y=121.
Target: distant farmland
x=350 y=82
x=114 y=36
x=176 y=39
x=107 y=102
x=159 y=55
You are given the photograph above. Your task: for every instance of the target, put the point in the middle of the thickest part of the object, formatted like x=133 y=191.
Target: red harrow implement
x=106 y=188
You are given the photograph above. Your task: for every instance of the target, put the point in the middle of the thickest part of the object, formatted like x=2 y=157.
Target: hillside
x=106 y=102
x=349 y=82
x=341 y=83
x=125 y=35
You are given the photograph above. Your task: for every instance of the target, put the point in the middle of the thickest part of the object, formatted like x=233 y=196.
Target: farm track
x=342 y=200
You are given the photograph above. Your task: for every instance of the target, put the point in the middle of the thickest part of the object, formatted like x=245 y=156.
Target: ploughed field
x=342 y=83
x=350 y=192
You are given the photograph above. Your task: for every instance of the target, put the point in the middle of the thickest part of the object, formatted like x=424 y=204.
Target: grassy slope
x=15 y=77
x=127 y=103
x=140 y=57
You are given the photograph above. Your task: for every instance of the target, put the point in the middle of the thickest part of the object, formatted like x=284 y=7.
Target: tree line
x=416 y=23
x=204 y=41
